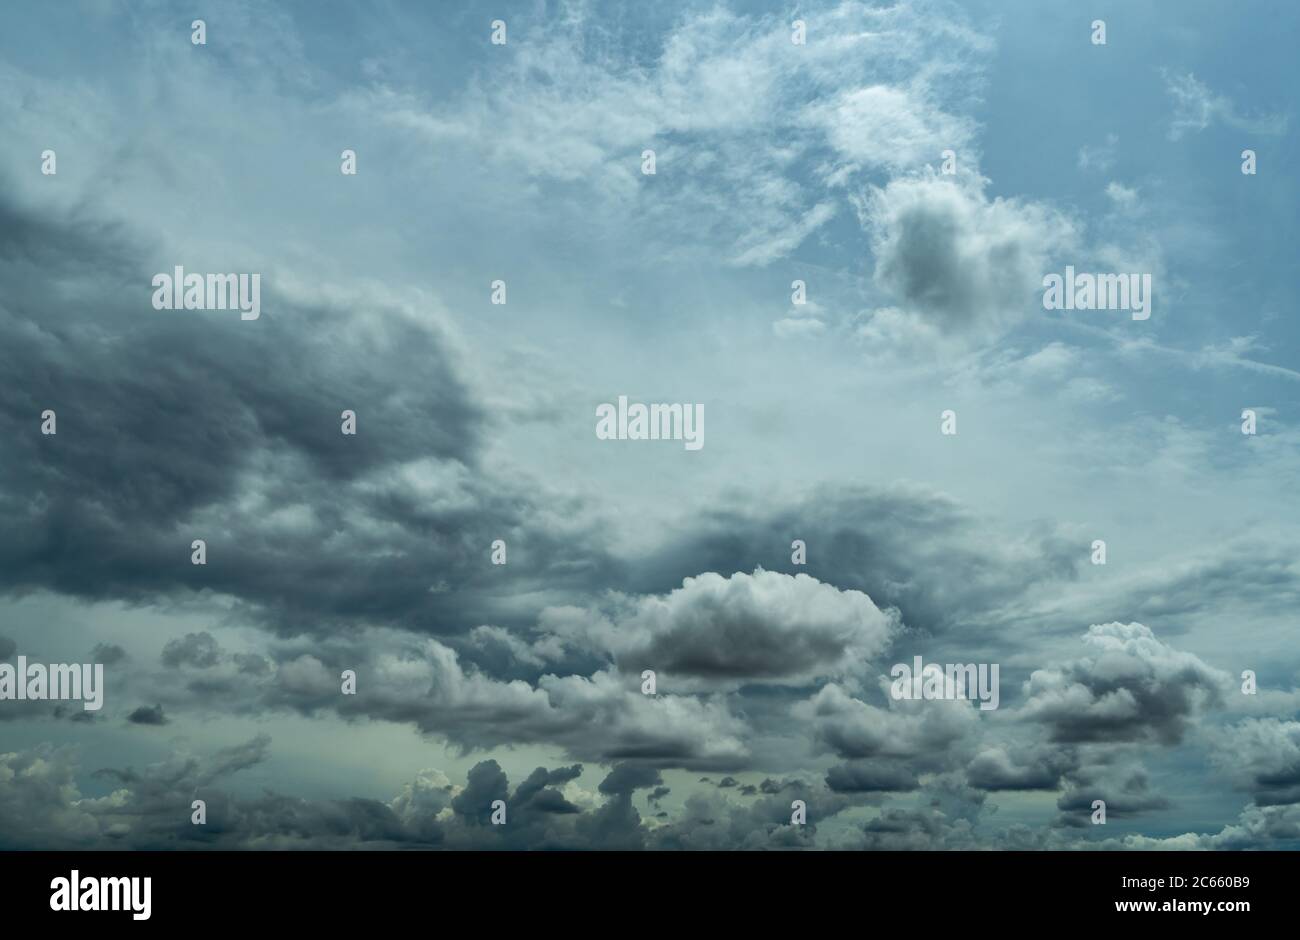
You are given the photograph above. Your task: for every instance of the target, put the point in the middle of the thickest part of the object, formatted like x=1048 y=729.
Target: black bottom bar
x=659 y=891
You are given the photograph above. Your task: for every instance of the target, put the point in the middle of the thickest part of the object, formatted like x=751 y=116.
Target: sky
x=918 y=166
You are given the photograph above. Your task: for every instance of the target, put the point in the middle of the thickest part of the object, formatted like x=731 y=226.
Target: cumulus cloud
x=601 y=717
x=1039 y=768
x=1125 y=789
x=957 y=264
x=931 y=733
x=767 y=627
x=1133 y=688
x=1262 y=755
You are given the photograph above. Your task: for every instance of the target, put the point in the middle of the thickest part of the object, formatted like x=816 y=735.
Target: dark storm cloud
x=625 y=778
x=487 y=783
x=147 y=715
x=7 y=648
x=871 y=777
x=176 y=425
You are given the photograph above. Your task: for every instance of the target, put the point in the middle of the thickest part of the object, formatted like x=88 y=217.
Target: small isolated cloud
x=1122 y=196
x=147 y=715
x=957 y=264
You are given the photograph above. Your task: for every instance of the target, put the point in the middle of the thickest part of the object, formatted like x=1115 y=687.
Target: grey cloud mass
x=647 y=663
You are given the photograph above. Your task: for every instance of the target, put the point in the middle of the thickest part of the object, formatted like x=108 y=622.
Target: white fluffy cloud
x=725 y=632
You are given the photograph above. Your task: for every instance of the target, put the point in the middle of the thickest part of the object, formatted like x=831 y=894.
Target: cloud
x=714 y=96
x=328 y=552
x=875 y=540
x=715 y=631
x=1124 y=197
x=931 y=733
x=107 y=654
x=199 y=650
x=890 y=127
x=600 y=717
x=1262 y=755
x=958 y=266
x=1037 y=768
x=300 y=521
x=1126 y=791
x=1133 y=688
x=41 y=806
x=1100 y=157
x=898 y=829
x=870 y=777
x=147 y=715
x=1196 y=107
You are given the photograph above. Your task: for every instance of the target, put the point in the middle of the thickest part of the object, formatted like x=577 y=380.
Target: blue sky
x=774 y=162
